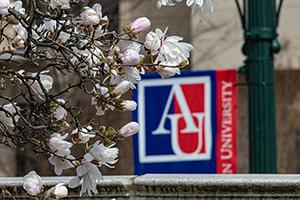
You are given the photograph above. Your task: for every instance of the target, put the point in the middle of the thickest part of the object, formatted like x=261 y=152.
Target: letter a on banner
x=187 y=123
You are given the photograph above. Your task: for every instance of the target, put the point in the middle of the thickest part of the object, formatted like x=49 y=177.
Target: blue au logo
x=175 y=117
x=176 y=111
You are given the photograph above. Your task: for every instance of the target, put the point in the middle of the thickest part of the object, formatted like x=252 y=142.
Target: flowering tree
x=38 y=115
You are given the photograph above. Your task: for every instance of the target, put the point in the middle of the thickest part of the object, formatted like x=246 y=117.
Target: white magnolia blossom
x=91 y=59
x=60 y=113
x=49 y=25
x=129 y=129
x=6 y=118
x=125 y=44
x=101 y=107
x=96 y=56
x=173 y=52
x=170 y=50
x=107 y=156
x=121 y=88
x=199 y=4
x=18 y=6
x=61 y=164
x=59 y=146
x=82 y=53
x=46 y=82
x=91 y=16
x=52 y=26
x=166 y=3
x=84 y=134
x=88 y=175
x=132 y=74
x=99 y=31
x=63 y=37
x=195 y=3
x=63 y=4
x=4 y=5
x=131 y=57
x=59 y=191
x=166 y=72
x=32 y=183
x=153 y=41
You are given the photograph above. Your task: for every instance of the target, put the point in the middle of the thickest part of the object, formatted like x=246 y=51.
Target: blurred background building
x=217 y=39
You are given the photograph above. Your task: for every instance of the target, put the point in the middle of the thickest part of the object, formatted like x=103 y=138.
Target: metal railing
x=179 y=186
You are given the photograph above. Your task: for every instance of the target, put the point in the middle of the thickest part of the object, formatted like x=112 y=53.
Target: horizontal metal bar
x=185 y=186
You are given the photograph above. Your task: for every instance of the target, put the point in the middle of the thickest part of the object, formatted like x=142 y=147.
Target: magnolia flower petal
x=74 y=182
x=88 y=157
x=81 y=170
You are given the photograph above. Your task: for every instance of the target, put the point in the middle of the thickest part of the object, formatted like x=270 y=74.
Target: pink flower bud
x=131 y=57
x=89 y=17
x=129 y=129
x=60 y=191
x=57 y=192
x=140 y=24
x=4 y=5
x=121 y=88
x=128 y=105
x=32 y=183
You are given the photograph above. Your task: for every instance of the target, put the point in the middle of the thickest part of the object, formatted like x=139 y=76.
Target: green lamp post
x=260 y=19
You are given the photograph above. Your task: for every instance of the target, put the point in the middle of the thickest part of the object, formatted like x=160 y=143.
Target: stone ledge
x=182 y=186
x=218 y=186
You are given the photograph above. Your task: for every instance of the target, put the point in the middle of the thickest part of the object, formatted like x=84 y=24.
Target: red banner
x=226 y=121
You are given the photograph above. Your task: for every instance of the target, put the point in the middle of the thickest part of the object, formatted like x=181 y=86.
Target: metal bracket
x=241 y=13
x=278 y=12
x=261 y=33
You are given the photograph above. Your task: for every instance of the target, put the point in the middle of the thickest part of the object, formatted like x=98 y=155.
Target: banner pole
x=260 y=45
